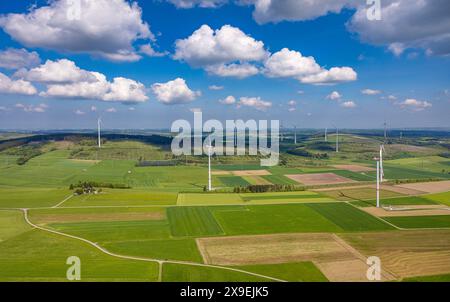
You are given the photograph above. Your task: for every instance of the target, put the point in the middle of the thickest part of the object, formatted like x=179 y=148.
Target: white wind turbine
x=99 y=122
x=337 y=139
x=209 y=147
x=382 y=150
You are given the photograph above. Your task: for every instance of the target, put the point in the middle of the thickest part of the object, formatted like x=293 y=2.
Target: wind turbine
x=295 y=135
x=385 y=131
x=382 y=150
x=209 y=147
x=99 y=121
x=326 y=134
x=378 y=183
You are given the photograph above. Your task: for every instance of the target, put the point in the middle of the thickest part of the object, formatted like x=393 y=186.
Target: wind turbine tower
x=385 y=131
x=326 y=134
x=209 y=147
x=295 y=135
x=381 y=163
x=378 y=183
x=99 y=121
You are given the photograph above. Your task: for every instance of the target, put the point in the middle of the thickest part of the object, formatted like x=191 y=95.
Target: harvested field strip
x=262 y=197
x=192 y=221
x=256 y=180
x=429 y=187
x=406 y=254
x=421 y=222
x=62 y=218
x=294 y=272
x=359 y=194
x=408 y=211
x=396 y=202
x=349 y=218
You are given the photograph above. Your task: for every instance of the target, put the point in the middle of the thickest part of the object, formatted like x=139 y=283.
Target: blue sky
x=407 y=88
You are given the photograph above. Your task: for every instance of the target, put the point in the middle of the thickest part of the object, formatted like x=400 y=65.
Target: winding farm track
x=160 y=262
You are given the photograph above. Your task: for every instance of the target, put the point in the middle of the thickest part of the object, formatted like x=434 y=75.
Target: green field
x=349 y=218
x=280 y=179
x=443 y=198
x=192 y=221
x=188 y=273
x=31 y=197
x=233 y=181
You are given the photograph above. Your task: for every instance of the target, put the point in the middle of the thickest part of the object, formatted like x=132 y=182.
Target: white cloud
x=111 y=110
x=174 y=92
x=239 y=71
x=79 y=112
x=333 y=76
x=289 y=63
x=3 y=108
x=131 y=109
x=348 y=104
x=12 y=58
x=334 y=96
x=20 y=86
x=93 y=108
x=370 y=92
x=229 y=100
x=254 y=102
x=407 y=24
x=415 y=105
x=41 y=108
x=215 y=87
x=292 y=103
x=199 y=3
x=126 y=90
x=225 y=51
x=294 y=10
x=66 y=80
x=292 y=109
x=105 y=28
x=60 y=71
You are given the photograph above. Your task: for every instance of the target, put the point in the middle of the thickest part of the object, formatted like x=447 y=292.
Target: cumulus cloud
x=66 y=80
x=174 y=92
x=229 y=100
x=254 y=102
x=348 y=104
x=415 y=105
x=12 y=58
x=333 y=76
x=292 y=109
x=334 y=96
x=404 y=24
x=407 y=24
x=60 y=71
x=370 y=92
x=199 y=3
x=294 y=10
x=289 y=63
x=226 y=51
x=292 y=103
x=111 y=110
x=104 y=28
x=20 y=86
x=79 y=112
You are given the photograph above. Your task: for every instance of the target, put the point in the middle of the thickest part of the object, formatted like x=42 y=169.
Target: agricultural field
x=147 y=222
